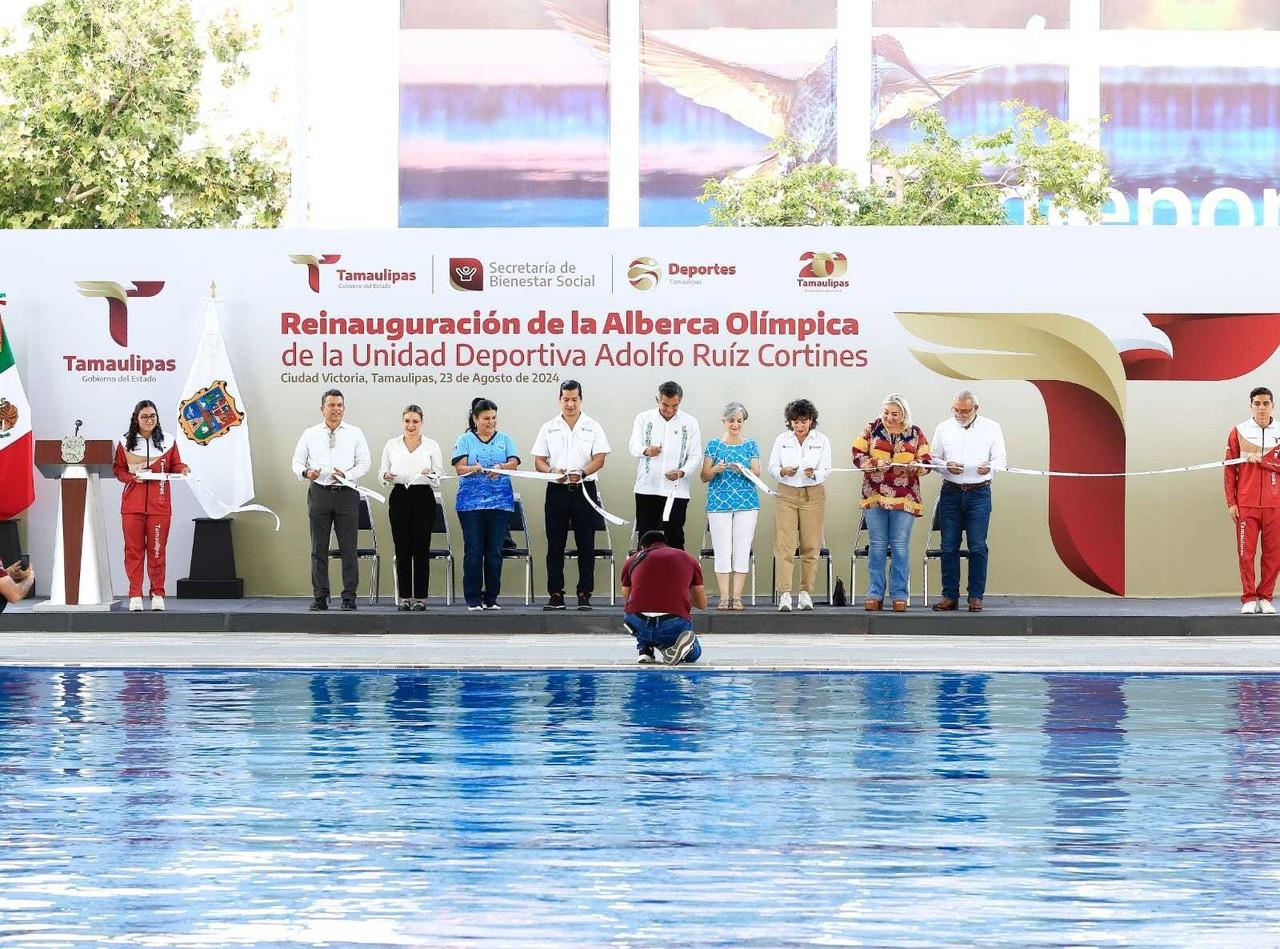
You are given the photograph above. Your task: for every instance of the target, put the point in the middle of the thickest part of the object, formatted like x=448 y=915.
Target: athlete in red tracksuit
x=1253 y=499
x=145 y=508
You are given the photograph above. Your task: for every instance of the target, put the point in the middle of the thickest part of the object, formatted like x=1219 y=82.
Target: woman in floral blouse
x=890 y=496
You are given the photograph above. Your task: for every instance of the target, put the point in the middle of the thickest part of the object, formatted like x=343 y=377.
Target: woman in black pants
x=413 y=464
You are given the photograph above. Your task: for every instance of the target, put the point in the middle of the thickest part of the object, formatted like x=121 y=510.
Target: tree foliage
x=939 y=179
x=100 y=122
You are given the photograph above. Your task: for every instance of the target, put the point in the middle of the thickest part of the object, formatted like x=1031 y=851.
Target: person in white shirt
x=972 y=447
x=668 y=443
x=572 y=445
x=800 y=462
x=413 y=464
x=326 y=455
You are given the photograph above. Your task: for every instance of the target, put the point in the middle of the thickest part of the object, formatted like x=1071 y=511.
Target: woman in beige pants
x=800 y=462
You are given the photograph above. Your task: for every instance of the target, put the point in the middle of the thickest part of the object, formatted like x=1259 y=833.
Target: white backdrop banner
x=1098 y=350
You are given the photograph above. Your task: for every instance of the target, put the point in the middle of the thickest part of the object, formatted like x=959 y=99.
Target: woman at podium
x=144 y=458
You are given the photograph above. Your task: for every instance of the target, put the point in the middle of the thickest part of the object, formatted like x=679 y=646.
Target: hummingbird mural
x=801 y=109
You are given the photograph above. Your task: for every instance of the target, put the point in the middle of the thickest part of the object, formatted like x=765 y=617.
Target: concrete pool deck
x=1032 y=634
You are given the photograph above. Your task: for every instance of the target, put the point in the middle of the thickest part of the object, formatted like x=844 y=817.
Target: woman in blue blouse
x=485 y=502
x=732 y=503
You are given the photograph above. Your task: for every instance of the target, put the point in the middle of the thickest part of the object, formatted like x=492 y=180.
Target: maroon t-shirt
x=660 y=582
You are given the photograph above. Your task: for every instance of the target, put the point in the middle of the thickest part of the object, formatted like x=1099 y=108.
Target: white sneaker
x=806 y=601
x=1252 y=607
x=1264 y=606
x=157 y=604
x=784 y=602
x=135 y=604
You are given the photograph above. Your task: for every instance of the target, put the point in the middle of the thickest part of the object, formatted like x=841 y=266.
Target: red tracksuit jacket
x=1250 y=485
x=147 y=497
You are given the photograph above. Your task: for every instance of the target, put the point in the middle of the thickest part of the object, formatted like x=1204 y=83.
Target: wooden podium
x=81 y=578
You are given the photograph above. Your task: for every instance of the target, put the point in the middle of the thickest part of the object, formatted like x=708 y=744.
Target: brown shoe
x=899 y=606
x=975 y=604
x=873 y=605
x=946 y=605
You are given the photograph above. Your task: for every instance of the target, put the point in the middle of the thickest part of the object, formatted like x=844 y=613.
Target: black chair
x=366 y=523
x=708 y=552
x=932 y=552
x=602 y=551
x=824 y=553
x=511 y=549
x=862 y=551
x=440 y=527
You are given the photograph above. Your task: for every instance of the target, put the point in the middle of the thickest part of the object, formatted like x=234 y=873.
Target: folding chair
x=366 y=523
x=932 y=552
x=518 y=524
x=602 y=551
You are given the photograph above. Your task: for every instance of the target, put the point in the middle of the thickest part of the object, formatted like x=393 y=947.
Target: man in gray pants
x=326 y=455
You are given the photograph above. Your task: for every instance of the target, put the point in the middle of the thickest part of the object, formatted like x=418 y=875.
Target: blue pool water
x=648 y=808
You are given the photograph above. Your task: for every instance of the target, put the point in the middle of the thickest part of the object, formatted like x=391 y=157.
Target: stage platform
x=1003 y=616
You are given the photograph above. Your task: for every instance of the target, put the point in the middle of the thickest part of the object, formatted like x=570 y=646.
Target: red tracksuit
x=1255 y=490
x=145 y=512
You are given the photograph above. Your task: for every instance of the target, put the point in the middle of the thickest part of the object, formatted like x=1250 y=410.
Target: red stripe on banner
x=17 y=477
x=1086 y=515
x=1207 y=347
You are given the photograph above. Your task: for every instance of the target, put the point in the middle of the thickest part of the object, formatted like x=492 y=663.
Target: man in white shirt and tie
x=572 y=445
x=326 y=455
x=971 y=446
x=668 y=443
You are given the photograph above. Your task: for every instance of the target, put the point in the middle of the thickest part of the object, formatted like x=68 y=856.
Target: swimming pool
x=642 y=808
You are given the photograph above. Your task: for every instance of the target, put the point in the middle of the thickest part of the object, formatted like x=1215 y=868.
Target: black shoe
x=646 y=655
x=584 y=601
x=319 y=603
x=419 y=607
x=348 y=604
x=555 y=601
x=405 y=606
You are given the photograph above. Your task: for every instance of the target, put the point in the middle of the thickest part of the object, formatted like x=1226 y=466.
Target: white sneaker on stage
x=784 y=602
x=135 y=604
x=157 y=604
x=805 y=602
x=1264 y=606
x=1252 y=607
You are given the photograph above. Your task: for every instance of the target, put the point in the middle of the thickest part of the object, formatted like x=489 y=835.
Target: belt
x=978 y=486
x=654 y=620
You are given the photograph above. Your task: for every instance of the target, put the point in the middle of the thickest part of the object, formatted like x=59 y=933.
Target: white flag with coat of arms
x=214 y=424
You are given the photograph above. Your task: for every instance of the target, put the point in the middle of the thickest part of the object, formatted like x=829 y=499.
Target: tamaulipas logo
x=313 y=265
x=117 y=298
x=1082 y=375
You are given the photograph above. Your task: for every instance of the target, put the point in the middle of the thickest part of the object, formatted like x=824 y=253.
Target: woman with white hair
x=732 y=503
x=889 y=451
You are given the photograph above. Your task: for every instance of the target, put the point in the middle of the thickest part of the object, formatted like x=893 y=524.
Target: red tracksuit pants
x=1252 y=522
x=145 y=538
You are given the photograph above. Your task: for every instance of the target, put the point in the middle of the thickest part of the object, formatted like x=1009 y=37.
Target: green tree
x=100 y=122
x=939 y=179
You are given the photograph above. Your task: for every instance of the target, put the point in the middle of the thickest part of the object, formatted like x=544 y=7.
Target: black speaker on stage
x=10 y=545
x=213 y=563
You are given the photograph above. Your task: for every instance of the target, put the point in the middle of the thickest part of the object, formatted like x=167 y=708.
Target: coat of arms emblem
x=210 y=413
x=8 y=416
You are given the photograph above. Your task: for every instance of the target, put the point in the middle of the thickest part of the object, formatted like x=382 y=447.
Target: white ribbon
x=552 y=477
x=666 y=508
x=941 y=466
x=755 y=479
x=210 y=502
x=360 y=489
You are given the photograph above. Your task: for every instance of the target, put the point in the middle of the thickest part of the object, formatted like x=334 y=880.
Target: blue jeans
x=482 y=535
x=653 y=633
x=968 y=511
x=888 y=530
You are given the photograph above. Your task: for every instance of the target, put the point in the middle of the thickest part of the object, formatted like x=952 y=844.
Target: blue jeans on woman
x=482 y=536
x=888 y=530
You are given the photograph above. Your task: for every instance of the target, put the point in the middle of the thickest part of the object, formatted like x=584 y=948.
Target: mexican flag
x=17 y=447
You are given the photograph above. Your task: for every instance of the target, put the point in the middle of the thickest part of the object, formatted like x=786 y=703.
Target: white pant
x=731 y=535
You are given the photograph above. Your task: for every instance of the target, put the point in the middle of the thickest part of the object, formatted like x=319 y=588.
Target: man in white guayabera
x=668 y=444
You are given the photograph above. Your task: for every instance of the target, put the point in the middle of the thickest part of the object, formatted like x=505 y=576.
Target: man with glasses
x=332 y=456
x=971 y=446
